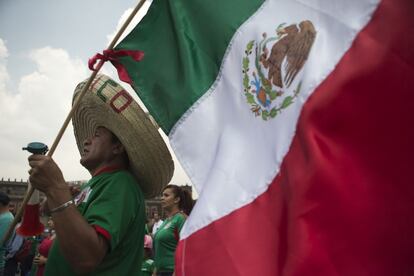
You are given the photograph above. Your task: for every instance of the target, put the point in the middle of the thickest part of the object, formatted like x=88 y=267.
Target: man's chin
x=87 y=165
x=84 y=162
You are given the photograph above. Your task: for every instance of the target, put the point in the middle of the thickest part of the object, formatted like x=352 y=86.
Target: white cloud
x=37 y=111
x=132 y=24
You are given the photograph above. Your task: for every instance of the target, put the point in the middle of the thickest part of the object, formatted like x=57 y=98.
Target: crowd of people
x=27 y=256
x=101 y=228
x=22 y=255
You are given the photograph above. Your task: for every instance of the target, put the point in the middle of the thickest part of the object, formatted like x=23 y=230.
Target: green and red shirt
x=112 y=202
x=165 y=242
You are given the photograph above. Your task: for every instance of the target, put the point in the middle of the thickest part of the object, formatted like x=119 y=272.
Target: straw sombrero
x=107 y=104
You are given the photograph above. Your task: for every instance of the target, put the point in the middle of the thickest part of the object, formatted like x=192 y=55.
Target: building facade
x=16 y=190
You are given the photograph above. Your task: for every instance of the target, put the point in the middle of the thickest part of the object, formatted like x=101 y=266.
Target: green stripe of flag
x=184 y=43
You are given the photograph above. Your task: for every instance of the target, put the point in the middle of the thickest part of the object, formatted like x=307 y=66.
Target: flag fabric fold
x=293 y=121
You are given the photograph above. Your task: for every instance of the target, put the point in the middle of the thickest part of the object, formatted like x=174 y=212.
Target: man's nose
x=87 y=141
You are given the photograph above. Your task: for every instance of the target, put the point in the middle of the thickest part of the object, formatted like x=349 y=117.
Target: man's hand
x=74 y=190
x=45 y=175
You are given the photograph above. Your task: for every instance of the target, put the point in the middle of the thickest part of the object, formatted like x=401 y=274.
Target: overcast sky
x=44 y=48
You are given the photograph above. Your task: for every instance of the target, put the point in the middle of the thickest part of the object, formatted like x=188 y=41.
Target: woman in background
x=41 y=259
x=177 y=204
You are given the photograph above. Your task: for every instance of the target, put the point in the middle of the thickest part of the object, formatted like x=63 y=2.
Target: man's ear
x=119 y=148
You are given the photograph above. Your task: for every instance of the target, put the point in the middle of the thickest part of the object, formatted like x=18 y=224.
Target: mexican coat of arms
x=267 y=82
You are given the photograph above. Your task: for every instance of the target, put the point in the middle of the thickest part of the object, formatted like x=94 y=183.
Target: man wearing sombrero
x=101 y=231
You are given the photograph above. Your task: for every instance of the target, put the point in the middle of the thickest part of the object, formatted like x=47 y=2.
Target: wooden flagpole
x=29 y=193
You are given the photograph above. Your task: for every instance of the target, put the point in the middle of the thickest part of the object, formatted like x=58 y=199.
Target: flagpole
x=30 y=191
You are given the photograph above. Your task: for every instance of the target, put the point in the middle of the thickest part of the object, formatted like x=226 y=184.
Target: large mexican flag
x=294 y=121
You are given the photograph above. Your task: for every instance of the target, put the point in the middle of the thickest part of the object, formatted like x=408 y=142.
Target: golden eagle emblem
x=267 y=87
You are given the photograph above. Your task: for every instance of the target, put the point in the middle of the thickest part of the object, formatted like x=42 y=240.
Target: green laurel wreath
x=267 y=86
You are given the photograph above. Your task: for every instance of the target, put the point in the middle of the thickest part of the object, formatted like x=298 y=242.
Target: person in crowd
x=6 y=218
x=177 y=204
x=147 y=267
x=157 y=223
x=27 y=256
x=13 y=246
x=40 y=259
x=101 y=231
x=148 y=226
x=19 y=254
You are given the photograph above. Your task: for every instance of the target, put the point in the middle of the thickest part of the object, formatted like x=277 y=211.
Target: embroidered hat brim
x=107 y=104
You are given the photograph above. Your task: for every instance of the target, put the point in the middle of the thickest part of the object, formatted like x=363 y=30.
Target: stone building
x=17 y=189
